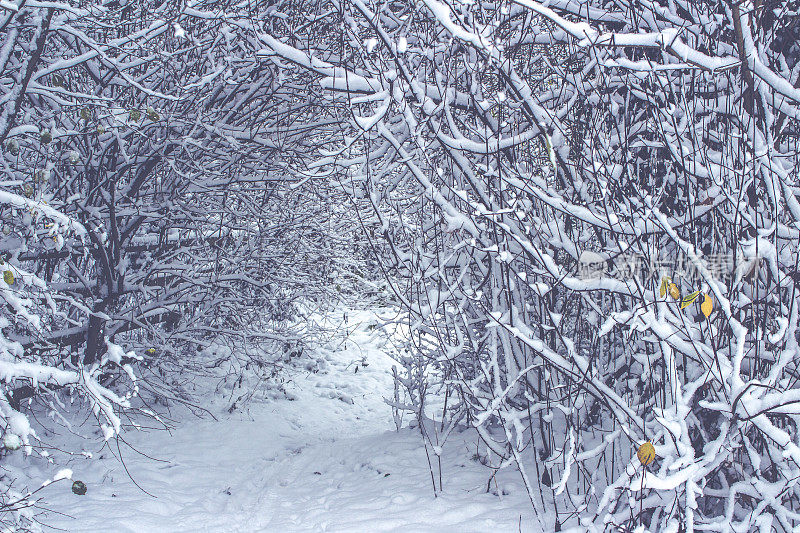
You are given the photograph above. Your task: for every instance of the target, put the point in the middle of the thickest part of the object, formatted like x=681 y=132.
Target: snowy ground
x=327 y=460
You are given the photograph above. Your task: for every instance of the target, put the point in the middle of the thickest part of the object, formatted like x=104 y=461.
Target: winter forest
x=400 y=265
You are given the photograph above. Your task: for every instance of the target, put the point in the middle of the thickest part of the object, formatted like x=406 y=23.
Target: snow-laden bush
x=594 y=217
x=148 y=208
x=36 y=222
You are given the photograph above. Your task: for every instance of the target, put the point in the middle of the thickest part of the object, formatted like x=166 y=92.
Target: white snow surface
x=329 y=459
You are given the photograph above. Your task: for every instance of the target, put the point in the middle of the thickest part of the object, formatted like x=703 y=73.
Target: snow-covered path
x=328 y=460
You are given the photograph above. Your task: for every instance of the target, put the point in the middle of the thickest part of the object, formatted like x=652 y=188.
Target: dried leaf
x=708 y=305
x=689 y=299
x=664 y=286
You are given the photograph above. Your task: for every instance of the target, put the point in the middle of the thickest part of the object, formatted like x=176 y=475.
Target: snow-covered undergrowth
x=321 y=453
x=592 y=207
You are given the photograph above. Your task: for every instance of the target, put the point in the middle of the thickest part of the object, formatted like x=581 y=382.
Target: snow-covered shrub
x=147 y=202
x=593 y=212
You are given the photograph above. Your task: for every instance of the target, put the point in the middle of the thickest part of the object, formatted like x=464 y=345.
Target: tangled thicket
x=590 y=211
x=506 y=146
x=148 y=209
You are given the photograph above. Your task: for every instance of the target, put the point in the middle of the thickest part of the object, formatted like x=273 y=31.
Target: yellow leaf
x=674 y=292
x=707 y=306
x=664 y=285
x=8 y=277
x=646 y=453
x=689 y=299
